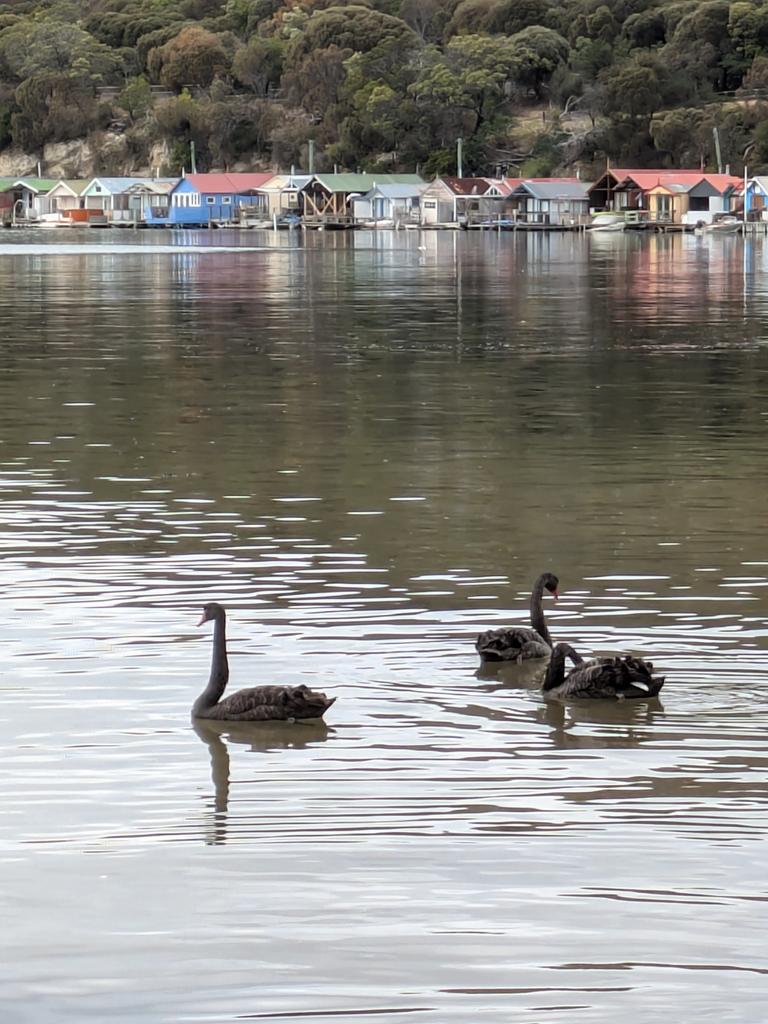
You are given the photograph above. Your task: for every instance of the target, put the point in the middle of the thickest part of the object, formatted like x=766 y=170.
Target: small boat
x=608 y=222
x=724 y=226
x=52 y=220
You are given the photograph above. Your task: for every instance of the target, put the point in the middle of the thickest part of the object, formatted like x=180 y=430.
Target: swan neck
x=555 y=670
x=538 y=621
x=217 y=681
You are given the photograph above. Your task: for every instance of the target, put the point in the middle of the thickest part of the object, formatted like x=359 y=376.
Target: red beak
x=202 y=620
x=555 y=595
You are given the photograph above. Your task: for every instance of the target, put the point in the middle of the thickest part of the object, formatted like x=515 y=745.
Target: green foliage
x=635 y=88
x=244 y=16
x=30 y=49
x=238 y=126
x=703 y=50
x=354 y=27
x=685 y=134
x=760 y=138
x=52 y=108
x=259 y=64
x=7 y=109
x=748 y=29
x=425 y=17
x=536 y=53
x=497 y=16
x=127 y=27
x=546 y=155
x=152 y=40
x=470 y=16
x=440 y=162
x=317 y=81
x=538 y=167
x=178 y=159
x=183 y=120
x=590 y=56
x=511 y=16
x=468 y=77
x=136 y=98
x=193 y=57
x=645 y=30
x=757 y=76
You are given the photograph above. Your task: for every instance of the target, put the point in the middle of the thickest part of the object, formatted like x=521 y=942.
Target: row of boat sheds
x=621 y=198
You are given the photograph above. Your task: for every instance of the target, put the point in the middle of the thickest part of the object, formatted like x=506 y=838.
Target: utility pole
x=716 y=134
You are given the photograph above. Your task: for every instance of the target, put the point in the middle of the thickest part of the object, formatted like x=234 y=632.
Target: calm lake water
x=367 y=451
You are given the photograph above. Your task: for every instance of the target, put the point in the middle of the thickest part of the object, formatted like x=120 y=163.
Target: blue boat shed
x=202 y=199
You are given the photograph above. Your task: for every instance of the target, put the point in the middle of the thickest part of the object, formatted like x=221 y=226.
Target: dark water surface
x=367 y=450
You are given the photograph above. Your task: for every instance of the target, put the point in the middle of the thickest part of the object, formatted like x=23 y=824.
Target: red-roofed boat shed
x=202 y=199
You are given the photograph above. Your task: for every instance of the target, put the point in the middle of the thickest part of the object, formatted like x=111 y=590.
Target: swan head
x=562 y=651
x=551 y=583
x=212 y=610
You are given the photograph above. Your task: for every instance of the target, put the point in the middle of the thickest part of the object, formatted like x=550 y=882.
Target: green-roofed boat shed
x=327 y=198
x=19 y=197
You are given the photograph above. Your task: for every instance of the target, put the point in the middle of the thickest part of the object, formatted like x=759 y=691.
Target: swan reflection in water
x=516 y=695
x=259 y=737
x=638 y=719
x=507 y=675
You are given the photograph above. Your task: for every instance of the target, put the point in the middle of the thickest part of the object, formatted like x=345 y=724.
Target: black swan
x=258 y=704
x=612 y=678
x=518 y=643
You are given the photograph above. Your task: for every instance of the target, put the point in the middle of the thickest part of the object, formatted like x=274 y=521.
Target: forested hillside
x=532 y=86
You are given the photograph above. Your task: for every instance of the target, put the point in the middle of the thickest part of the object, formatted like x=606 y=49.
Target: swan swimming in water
x=622 y=678
x=519 y=643
x=257 y=704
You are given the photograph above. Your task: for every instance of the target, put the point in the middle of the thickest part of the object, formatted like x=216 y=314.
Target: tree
x=759 y=155
x=259 y=64
x=31 y=49
x=237 y=126
x=748 y=29
x=423 y=16
x=757 y=76
x=590 y=56
x=702 y=47
x=512 y=16
x=602 y=25
x=645 y=29
x=108 y=27
x=470 y=17
x=181 y=120
x=244 y=16
x=684 y=134
x=193 y=57
x=316 y=82
x=498 y=16
x=136 y=98
x=354 y=27
x=634 y=89
x=593 y=101
x=154 y=40
x=536 y=52
x=52 y=108
x=470 y=77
